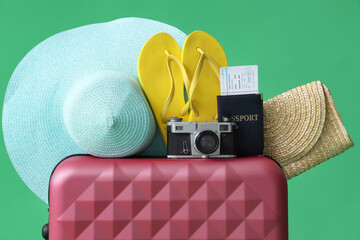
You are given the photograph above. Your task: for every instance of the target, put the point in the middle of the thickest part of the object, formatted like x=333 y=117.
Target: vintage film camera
x=200 y=140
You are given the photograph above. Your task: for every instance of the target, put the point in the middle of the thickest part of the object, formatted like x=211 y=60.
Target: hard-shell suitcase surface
x=140 y=199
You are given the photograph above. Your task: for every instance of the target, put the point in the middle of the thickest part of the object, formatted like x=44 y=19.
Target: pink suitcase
x=161 y=199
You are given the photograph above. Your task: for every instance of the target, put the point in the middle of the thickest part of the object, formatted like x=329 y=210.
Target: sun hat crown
x=43 y=124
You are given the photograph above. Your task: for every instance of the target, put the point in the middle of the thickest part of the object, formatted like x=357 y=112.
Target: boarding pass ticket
x=239 y=80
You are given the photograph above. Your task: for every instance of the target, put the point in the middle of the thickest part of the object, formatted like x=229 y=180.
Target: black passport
x=247 y=112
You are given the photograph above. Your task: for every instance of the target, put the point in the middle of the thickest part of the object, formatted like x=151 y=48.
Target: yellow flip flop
x=162 y=77
x=202 y=57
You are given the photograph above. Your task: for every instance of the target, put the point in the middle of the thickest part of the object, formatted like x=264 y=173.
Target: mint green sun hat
x=77 y=92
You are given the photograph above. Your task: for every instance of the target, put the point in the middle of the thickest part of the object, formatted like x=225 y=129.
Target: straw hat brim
x=302 y=128
x=334 y=140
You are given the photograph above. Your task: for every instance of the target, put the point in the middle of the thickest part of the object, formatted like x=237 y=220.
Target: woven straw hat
x=77 y=92
x=302 y=128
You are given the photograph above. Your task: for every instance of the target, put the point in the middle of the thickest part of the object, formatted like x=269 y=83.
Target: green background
x=293 y=42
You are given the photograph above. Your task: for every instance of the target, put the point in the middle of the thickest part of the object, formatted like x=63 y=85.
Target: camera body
x=200 y=140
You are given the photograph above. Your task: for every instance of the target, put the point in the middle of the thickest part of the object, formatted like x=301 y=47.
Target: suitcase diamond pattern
x=168 y=201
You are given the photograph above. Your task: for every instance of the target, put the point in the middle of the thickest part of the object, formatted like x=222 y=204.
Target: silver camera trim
x=200 y=156
x=194 y=129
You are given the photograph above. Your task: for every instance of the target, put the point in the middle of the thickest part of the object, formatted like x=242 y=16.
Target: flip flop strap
x=169 y=58
x=195 y=80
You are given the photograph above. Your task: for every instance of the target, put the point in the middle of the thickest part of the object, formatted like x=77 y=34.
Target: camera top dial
x=174 y=119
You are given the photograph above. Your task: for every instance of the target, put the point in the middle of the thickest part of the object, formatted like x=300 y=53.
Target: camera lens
x=207 y=142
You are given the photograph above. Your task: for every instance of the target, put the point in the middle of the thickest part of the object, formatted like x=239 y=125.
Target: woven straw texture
x=302 y=128
x=34 y=115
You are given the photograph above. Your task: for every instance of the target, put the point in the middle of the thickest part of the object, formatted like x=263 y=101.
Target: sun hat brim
x=35 y=135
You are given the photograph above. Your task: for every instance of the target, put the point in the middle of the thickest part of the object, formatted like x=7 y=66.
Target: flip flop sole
x=208 y=87
x=155 y=78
